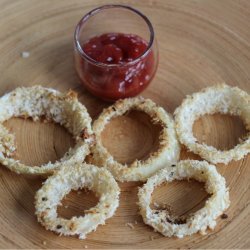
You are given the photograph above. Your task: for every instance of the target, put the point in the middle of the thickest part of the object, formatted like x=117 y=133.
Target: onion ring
x=37 y=102
x=168 y=225
x=167 y=154
x=217 y=99
x=61 y=183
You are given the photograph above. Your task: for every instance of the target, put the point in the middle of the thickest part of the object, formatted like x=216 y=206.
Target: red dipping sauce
x=116 y=65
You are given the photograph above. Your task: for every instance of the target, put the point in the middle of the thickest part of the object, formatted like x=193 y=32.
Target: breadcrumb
x=224 y=216
x=130 y=225
x=25 y=54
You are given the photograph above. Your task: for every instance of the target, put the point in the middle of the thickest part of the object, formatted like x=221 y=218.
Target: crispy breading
x=38 y=103
x=169 y=225
x=216 y=99
x=77 y=176
x=167 y=154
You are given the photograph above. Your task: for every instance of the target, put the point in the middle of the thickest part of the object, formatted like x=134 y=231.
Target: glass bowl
x=105 y=79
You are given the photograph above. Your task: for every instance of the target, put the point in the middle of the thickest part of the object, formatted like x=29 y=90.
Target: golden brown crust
x=163 y=222
x=217 y=99
x=70 y=178
x=167 y=154
x=38 y=102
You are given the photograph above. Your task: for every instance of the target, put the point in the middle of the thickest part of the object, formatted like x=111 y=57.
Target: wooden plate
x=200 y=42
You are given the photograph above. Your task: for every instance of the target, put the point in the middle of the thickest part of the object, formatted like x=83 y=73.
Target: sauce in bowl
x=116 y=66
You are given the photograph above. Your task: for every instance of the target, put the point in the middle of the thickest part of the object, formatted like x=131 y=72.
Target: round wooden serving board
x=201 y=43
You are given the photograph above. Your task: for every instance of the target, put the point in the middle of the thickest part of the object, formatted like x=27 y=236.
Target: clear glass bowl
x=114 y=81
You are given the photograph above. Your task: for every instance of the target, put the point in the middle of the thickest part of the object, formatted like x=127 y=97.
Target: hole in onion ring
x=221 y=131
x=47 y=142
x=131 y=136
x=76 y=203
x=179 y=198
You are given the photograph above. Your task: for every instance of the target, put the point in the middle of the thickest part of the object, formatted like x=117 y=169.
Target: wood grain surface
x=201 y=43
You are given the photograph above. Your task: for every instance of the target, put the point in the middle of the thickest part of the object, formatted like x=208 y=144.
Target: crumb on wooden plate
x=224 y=216
x=25 y=54
x=130 y=225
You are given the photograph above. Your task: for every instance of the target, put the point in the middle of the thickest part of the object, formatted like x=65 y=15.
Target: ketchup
x=114 y=72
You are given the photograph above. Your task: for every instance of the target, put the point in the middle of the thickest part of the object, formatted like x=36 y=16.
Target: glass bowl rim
x=95 y=11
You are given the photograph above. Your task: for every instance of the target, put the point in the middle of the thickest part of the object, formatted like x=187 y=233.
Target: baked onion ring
x=163 y=222
x=167 y=154
x=217 y=99
x=70 y=178
x=38 y=102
